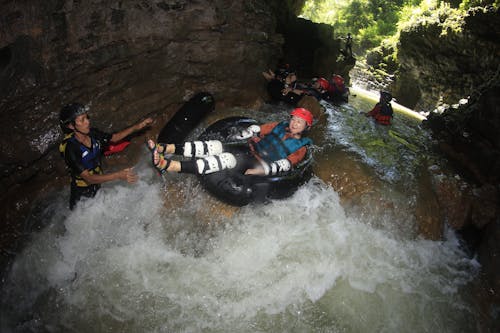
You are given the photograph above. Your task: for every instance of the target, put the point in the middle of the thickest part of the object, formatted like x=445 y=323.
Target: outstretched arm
x=134 y=128
x=126 y=174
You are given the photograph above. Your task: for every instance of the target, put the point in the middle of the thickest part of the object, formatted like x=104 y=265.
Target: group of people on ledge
x=273 y=148
x=283 y=85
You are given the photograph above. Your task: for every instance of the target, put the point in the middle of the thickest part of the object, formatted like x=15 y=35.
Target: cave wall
x=437 y=68
x=129 y=59
x=468 y=135
x=313 y=50
x=126 y=60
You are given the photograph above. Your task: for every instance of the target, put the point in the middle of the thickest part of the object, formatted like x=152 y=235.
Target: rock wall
x=126 y=60
x=437 y=67
x=469 y=136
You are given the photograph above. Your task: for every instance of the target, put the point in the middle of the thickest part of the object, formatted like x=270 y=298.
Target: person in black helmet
x=382 y=111
x=82 y=149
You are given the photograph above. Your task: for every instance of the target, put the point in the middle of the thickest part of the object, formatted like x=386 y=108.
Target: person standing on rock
x=83 y=147
x=347 y=52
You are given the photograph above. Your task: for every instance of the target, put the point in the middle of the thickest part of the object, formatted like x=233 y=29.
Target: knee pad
x=202 y=148
x=215 y=163
x=276 y=167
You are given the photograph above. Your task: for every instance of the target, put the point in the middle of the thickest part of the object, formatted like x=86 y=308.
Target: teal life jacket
x=272 y=148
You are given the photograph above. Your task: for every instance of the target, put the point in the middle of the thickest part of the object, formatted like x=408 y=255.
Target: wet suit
x=79 y=158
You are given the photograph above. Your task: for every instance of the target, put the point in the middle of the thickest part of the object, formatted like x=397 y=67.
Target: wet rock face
x=127 y=59
x=436 y=67
x=469 y=137
x=312 y=49
x=470 y=134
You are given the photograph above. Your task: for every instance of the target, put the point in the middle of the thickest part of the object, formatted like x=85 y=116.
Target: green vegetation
x=378 y=22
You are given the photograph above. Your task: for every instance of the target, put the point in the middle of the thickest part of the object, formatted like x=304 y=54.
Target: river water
x=162 y=256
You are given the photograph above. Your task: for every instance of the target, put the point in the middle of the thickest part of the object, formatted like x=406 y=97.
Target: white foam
x=125 y=262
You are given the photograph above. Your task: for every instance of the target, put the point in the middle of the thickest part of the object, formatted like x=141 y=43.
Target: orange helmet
x=304 y=114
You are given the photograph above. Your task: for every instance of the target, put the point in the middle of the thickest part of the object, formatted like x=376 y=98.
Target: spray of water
x=127 y=262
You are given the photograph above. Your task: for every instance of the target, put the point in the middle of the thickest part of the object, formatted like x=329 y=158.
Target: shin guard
x=216 y=163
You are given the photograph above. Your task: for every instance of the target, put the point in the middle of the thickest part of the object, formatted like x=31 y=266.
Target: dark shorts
x=78 y=192
x=244 y=158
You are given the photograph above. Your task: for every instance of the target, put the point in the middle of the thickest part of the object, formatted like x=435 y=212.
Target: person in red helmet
x=337 y=90
x=322 y=84
x=318 y=88
x=272 y=148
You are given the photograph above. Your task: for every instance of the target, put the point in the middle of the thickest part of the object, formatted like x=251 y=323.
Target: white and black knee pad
x=276 y=167
x=202 y=148
x=215 y=163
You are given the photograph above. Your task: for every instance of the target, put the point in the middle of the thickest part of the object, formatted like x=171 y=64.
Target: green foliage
x=375 y=25
x=372 y=21
x=369 y=21
x=467 y=4
x=431 y=12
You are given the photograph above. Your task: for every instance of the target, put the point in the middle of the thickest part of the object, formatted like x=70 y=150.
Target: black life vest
x=90 y=157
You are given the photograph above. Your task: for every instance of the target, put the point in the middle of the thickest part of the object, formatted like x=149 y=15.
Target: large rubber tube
x=187 y=118
x=233 y=187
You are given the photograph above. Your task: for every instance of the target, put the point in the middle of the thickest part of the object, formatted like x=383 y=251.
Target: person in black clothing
x=82 y=149
x=347 y=51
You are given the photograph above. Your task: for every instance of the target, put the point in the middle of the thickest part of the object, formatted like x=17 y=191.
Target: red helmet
x=304 y=114
x=338 y=79
x=323 y=83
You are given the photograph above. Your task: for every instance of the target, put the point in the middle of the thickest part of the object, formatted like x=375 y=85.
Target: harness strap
x=205 y=148
x=164 y=170
x=219 y=163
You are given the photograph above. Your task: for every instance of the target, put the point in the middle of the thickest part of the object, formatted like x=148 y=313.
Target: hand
x=146 y=122
x=129 y=175
x=247 y=133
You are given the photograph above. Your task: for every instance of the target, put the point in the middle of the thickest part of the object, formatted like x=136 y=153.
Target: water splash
x=124 y=262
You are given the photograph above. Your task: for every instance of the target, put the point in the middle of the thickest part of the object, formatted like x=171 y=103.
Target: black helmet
x=68 y=114
x=281 y=74
x=386 y=96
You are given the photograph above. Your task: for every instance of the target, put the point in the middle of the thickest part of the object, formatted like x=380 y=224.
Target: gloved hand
x=247 y=133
